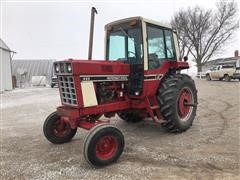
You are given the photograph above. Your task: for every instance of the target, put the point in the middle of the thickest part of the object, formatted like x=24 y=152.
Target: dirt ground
x=208 y=150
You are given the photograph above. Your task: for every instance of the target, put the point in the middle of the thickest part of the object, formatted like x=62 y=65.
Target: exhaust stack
x=93 y=11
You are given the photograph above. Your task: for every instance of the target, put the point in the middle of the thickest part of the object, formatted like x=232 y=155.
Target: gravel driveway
x=209 y=149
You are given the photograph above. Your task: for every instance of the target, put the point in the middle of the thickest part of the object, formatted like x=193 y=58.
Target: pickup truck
x=224 y=72
x=54 y=81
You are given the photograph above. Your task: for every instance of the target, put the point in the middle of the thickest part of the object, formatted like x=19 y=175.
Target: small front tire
x=103 y=145
x=56 y=130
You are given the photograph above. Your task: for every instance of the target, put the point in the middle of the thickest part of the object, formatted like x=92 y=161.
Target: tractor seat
x=154 y=62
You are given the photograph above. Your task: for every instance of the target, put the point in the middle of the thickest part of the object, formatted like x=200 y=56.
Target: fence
x=201 y=75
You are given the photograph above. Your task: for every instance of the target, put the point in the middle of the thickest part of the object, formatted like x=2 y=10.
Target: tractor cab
x=143 y=44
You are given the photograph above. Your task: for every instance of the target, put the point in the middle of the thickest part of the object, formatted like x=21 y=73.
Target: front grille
x=67 y=90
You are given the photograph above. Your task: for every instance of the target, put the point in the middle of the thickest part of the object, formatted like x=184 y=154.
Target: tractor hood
x=92 y=67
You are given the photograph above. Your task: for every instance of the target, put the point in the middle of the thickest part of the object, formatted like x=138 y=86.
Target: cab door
x=135 y=59
x=161 y=47
x=218 y=72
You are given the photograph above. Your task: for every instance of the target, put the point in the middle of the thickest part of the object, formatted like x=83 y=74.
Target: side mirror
x=185 y=58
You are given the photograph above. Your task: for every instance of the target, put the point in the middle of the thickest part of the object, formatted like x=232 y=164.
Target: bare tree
x=203 y=33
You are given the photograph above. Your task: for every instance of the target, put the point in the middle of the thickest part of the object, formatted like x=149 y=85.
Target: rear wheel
x=227 y=78
x=177 y=97
x=132 y=117
x=103 y=145
x=56 y=130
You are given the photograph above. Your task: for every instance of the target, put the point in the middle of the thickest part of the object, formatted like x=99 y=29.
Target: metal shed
x=24 y=69
x=5 y=67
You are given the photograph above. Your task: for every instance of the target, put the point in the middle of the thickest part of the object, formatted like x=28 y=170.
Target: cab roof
x=138 y=18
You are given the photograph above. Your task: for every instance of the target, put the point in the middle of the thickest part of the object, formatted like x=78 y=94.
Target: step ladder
x=153 y=109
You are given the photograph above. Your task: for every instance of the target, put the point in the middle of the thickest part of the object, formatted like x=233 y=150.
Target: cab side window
x=156 y=47
x=160 y=46
x=169 y=44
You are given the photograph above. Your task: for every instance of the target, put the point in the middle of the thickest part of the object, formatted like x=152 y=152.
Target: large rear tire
x=56 y=130
x=175 y=94
x=103 y=145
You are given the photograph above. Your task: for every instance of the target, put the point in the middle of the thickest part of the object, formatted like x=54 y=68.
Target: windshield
x=125 y=45
x=213 y=68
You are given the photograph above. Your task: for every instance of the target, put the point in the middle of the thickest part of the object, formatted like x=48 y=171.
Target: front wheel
x=208 y=78
x=177 y=97
x=56 y=130
x=103 y=145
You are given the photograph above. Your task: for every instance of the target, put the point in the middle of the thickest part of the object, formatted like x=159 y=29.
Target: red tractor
x=139 y=78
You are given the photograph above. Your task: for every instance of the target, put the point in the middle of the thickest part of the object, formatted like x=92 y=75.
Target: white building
x=5 y=67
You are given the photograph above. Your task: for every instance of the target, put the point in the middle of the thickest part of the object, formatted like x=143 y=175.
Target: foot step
x=154 y=107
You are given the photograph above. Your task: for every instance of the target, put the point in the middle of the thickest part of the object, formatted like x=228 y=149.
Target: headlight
x=57 y=68
x=69 y=68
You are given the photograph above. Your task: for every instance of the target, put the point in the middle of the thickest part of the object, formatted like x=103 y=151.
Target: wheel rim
x=61 y=128
x=106 y=147
x=185 y=97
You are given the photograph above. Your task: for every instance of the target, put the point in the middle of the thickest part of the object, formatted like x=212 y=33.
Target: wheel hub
x=106 y=147
x=61 y=128
x=185 y=97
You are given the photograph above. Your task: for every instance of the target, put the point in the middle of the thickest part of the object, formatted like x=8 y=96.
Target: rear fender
x=179 y=65
x=152 y=78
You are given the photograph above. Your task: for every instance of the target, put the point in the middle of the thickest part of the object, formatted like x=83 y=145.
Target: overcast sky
x=59 y=30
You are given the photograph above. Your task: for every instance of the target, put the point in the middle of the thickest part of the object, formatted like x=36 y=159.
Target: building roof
x=223 y=61
x=4 y=46
x=220 y=61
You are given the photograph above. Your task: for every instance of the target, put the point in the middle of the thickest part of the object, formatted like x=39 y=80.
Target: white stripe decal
x=101 y=78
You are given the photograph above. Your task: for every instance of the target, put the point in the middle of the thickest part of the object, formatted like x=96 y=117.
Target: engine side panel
x=88 y=94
